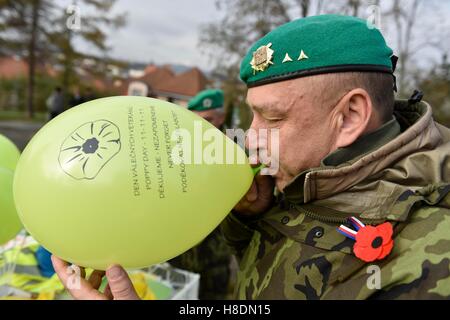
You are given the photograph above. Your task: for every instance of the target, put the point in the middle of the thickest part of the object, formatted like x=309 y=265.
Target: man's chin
x=280 y=182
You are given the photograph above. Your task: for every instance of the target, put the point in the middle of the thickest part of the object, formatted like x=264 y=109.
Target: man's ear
x=351 y=117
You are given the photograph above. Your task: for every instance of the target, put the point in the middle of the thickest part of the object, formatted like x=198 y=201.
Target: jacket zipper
x=330 y=218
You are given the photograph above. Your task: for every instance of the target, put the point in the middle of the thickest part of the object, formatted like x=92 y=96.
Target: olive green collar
x=364 y=145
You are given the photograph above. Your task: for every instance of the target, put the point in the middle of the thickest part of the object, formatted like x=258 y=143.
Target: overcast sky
x=161 y=31
x=167 y=31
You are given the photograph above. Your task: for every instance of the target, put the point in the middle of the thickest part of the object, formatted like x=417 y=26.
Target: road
x=20 y=132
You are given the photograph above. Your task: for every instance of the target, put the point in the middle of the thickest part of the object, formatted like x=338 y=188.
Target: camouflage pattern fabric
x=294 y=251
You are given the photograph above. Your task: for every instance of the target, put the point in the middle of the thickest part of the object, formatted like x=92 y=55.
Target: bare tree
x=304 y=6
x=405 y=19
x=32 y=55
x=355 y=6
x=37 y=29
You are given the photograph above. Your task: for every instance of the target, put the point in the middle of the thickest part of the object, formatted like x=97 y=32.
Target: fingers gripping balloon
x=121 y=180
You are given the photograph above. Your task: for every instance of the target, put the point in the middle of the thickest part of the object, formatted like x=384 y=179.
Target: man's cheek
x=292 y=155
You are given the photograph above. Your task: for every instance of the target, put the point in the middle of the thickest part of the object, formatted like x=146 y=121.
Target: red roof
x=188 y=83
x=11 y=67
x=163 y=80
x=159 y=79
x=150 y=68
x=156 y=78
x=14 y=67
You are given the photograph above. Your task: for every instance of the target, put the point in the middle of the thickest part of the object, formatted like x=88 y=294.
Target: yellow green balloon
x=9 y=154
x=102 y=184
x=9 y=221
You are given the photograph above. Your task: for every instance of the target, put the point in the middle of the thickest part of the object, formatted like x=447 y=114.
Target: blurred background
x=57 y=54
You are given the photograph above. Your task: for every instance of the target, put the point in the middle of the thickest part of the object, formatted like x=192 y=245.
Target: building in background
x=163 y=83
x=174 y=83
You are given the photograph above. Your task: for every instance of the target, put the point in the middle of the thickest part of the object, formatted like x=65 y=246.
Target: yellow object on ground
x=29 y=284
x=140 y=285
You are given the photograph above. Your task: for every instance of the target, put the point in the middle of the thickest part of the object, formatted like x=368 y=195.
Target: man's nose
x=258 y=124
x=252 y=139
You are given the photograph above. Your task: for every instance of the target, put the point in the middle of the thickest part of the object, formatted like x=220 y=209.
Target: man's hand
x=258 y=198
x=119 y=284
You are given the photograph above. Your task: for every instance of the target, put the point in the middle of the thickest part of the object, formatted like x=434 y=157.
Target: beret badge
x=262 y=58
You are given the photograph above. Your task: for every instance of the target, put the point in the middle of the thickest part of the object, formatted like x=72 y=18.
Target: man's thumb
x=120 y=284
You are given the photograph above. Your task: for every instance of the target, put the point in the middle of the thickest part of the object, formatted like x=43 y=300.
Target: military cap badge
x=207 y=103
x=262 y=58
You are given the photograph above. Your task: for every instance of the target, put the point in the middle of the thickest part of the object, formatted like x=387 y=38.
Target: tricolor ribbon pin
x=371 y=243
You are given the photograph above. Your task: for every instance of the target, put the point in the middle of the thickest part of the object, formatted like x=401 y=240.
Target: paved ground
x=20 y=132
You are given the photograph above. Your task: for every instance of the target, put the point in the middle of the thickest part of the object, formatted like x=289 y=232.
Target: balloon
x=111 y=181
x=9 y=221
x=9 y=154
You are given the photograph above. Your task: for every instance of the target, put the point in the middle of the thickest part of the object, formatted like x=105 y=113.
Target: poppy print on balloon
x=89 y=148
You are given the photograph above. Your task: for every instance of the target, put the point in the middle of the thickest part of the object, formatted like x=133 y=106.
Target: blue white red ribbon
x=350 y=233
x=356 y=223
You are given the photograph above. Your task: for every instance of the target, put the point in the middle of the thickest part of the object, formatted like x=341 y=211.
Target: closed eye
x=273 y=120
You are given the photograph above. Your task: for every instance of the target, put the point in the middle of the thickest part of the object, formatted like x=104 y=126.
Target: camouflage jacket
x=294 y=251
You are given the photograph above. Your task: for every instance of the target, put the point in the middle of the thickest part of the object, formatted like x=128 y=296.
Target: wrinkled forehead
x=275 y=96
x=281 y=96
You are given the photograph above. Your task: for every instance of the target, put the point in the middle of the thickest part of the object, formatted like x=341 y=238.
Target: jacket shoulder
x=419 y=267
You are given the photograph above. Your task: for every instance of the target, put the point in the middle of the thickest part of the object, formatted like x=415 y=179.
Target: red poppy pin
x=372 y=243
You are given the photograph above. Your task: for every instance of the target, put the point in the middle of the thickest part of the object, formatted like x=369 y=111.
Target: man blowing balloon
x=361 y=207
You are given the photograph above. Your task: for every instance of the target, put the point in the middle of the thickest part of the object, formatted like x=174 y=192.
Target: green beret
x=206 y=100
x=317 y=45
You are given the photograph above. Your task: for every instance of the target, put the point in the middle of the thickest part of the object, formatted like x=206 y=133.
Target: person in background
x=89 y=95
x=76 y=98
x=55 y=103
